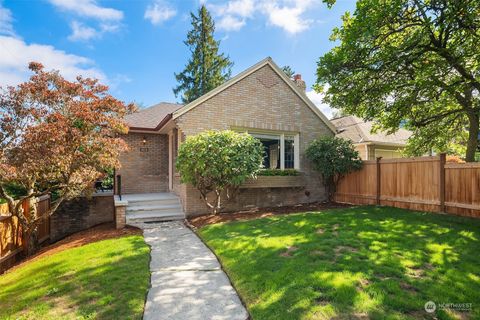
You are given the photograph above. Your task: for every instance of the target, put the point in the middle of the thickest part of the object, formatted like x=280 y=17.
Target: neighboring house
x=371 y=145
x=262 y=101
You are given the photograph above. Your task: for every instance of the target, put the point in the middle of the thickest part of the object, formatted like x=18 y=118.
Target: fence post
x=443 y=160
x=378 y=181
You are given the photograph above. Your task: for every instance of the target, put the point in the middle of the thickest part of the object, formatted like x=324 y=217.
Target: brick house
x=262 y=101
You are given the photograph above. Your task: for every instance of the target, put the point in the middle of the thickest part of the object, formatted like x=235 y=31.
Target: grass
x=352 y=263
x=102 y=280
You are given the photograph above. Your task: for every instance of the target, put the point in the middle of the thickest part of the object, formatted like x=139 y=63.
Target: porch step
x=153 y=216
x=158 y=202
x=139 y=208
x=152 y=207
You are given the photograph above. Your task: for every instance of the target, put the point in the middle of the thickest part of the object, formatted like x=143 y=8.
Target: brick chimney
x=299 y=82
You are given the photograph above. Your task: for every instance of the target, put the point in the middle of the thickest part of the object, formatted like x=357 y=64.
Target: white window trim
x=281 y=134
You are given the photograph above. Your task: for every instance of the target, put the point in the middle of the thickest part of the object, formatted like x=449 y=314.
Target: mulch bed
x=97 y=233
x=201 y=221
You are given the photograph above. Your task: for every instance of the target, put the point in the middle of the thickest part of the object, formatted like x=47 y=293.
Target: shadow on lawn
x=365 y=262
x=110 y=289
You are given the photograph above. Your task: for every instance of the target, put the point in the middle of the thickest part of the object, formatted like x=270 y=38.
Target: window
x=289 y=152
x=279 y=150
x=271 y=148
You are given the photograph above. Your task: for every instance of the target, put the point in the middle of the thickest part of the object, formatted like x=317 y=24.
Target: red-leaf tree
x=56 y=136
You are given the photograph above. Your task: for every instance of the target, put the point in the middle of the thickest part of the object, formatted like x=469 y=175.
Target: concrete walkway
x=187 y=281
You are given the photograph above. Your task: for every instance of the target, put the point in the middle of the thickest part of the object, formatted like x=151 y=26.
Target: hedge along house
x=261 y=101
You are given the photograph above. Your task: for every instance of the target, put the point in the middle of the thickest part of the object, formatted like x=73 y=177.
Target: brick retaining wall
x=80 y=214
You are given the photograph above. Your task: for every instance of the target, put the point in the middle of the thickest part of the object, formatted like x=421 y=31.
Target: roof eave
x=153 y=130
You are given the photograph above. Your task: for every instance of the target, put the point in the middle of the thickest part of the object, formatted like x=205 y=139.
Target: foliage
x=107 y=279
x=57 y=136
x=333 y=157
x=377 y=262
x=454 y=159
x=412 y=63
x=219 y=162
x=288 y=71
x=278 y=172
x=206 y=69
x=107 y=179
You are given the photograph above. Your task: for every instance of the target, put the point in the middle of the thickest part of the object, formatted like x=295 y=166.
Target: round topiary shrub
x=217 y=163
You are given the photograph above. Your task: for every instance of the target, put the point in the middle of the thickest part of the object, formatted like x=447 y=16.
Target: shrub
x=278 y=172
x=333 y=158
x=218 y=162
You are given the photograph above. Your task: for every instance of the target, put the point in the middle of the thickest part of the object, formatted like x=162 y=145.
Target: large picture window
x=281 y=150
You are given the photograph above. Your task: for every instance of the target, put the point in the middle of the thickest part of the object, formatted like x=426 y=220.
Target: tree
x=288 y=71
x=333 y=158
x=206 y=69
x=56 y=136
x=411 y=63
x=218 y=162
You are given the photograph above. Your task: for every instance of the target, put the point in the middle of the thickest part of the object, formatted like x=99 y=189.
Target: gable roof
x=267 y=61
x=151 y=118
x=359 y=131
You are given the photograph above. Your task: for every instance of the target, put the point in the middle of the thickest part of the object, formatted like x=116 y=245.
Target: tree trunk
x=31 y=244
x=473 y=130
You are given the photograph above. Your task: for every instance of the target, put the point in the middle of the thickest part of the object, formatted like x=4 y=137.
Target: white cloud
x=108 y=18
x=16 y=54
x=80 y=32
x=6 y=21
x=289 y=18
x=231 y=23
x=88 y=8
x=285 y=14
x=317 y=99
x=233 y=14
x=158 y=12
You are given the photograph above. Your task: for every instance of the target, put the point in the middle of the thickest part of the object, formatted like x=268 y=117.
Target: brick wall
x=259 y=101
x=79 y=214
x=144 y=168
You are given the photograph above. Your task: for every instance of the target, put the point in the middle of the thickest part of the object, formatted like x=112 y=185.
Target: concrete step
x=153 y=202
x=152 y=216
x=149 y=196
x=153 y=207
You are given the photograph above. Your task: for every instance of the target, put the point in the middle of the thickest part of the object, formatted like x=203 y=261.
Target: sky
x=136 y=46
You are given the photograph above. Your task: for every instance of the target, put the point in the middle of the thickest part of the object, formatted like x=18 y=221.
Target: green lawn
x=102 y=280
x=353 y=263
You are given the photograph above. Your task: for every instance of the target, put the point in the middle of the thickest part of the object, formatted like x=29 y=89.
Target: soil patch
x=201 y=221
x=289 y=251
x=97 y=233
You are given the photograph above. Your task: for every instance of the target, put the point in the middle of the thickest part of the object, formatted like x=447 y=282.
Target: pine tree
x=288 y=71
x=206 y=69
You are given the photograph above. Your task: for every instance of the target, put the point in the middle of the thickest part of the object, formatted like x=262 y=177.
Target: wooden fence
x=423 y=183
x=11 y=241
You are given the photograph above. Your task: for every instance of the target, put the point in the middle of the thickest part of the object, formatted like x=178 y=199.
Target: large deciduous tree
x=207 y=68
x=217 y=163
x=412 y=63
x=56 y=136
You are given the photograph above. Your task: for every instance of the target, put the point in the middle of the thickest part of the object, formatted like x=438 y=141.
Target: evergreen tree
x=206 y=69
x=288 y=71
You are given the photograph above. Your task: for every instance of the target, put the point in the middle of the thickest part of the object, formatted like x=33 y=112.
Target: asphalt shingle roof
x=357 y=130
x=150 y=118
